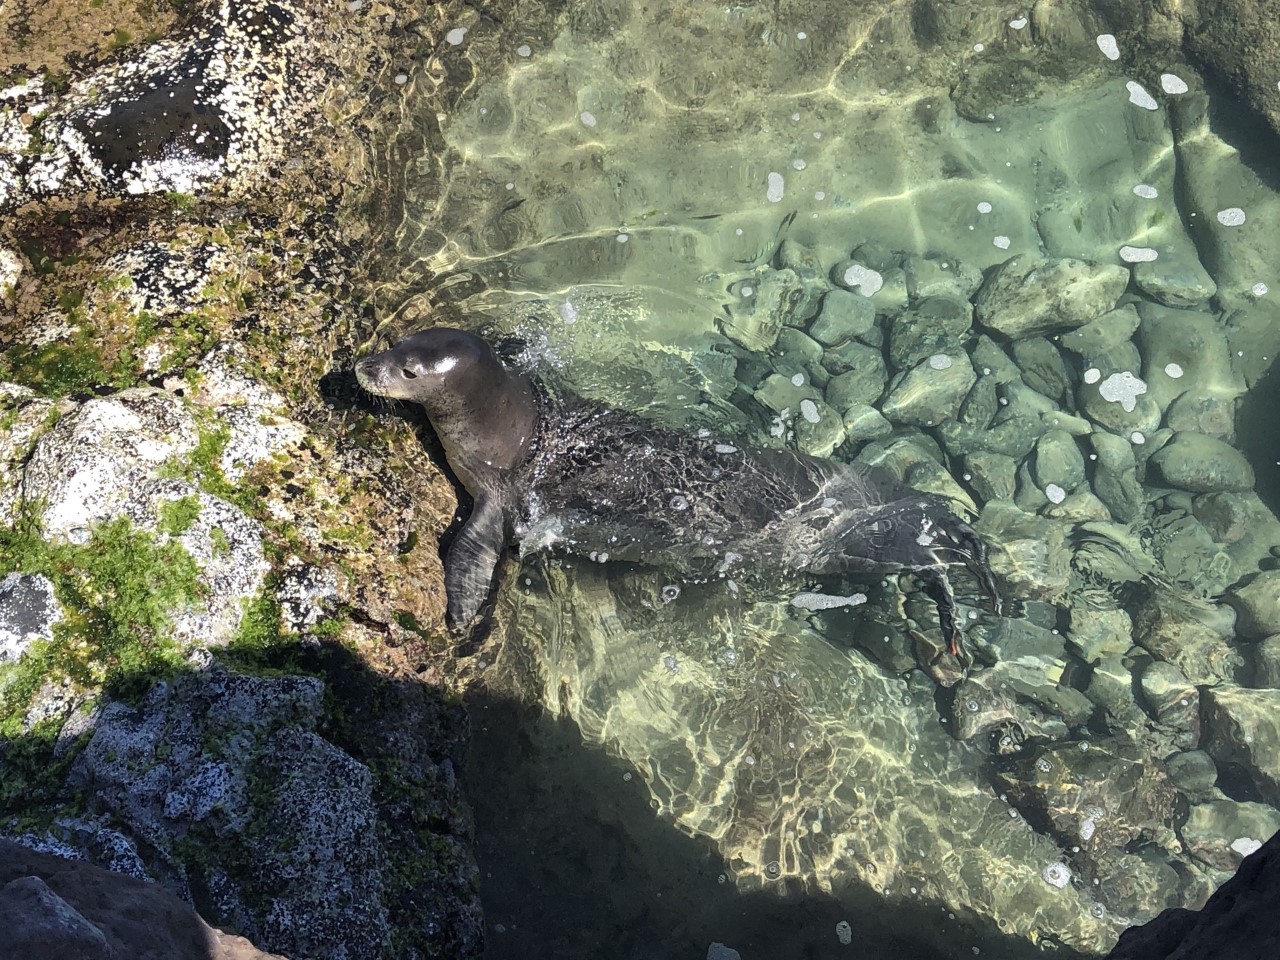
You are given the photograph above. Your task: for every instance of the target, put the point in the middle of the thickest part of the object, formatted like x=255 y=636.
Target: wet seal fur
x=561 y=472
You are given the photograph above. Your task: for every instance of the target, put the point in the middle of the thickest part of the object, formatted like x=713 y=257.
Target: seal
x=548 y=470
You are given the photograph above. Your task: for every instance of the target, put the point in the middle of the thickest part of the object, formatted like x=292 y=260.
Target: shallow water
x=615 y=194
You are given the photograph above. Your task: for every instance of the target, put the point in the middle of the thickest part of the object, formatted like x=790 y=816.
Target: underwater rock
x=1096 y=632
x=1189 y=556
x=217 y=104
x=1042 y=368
x=864 y=422
x=1201 y=464
x=862 y=382
x=1188 y=634
x=1117 y=402
x=756 y=322
x=990 y=360
x=1172 y=700
x=797 y=353
x=991 y=475
x=1107 y=331
x=1176 y=279
x=796 y=257
x=981 y=405
x=1221 y=833
x=1266 y=662
x=981 y=705
x=930 y=392
x=1025 y=297
x=939 y=276
x=783 y=395
x=1121 y=492
x=1032 y=561
x=844 y=315
x=1013 y=437
x=819 y=429
x=1198 y=411
x=1181 y=349
x=1194 y=773
x=1242 y=729
x=1136 y=886
x=935 y=326
x=1253 y=339
x=1095 y=794
x=1243 y=524
x=28 y=611
x=1058 y=461
x=1257 y=605
x=1111 y=688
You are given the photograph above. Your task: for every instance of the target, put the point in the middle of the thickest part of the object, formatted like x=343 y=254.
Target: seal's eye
x=408 y=374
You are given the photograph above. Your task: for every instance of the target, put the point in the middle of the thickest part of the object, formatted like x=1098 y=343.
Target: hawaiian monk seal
x=547 y=470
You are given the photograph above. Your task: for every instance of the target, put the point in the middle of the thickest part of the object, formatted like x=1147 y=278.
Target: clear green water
x=721 y=767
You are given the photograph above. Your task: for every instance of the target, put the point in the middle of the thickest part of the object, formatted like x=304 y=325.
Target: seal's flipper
x=472 y=557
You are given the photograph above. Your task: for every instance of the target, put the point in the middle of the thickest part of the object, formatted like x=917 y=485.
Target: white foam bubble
x=623 y=237
x=1056 y=874
x=940 y=361
x=1001 y=241
x=1123 y=388
x=1259 y=289
x=1137 y=254
x=588 y=118
x=1092 y=375
x=568 y=312
x=979 y=47
x=984 y=207
x=1107 y=44
x=797 y=380
x=867 y=280
x=1173 y=370
x=1019 y=24
x=524 y=50
x=1137 y=437
x=798 y=164
x=1138 y=95
x=455 y=35
x=1146 y=191
x=1246 y=845
x=820 y=195
x=1171 y=83
x=801 y=35
x=747 y=290
x=1055 y=493
x=826 y=601
x=1231 y=217
x=726 y=448
x=776 y=187
x=401 y=79
x=809 y=410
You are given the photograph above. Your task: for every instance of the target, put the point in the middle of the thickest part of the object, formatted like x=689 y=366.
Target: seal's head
x=484 y=413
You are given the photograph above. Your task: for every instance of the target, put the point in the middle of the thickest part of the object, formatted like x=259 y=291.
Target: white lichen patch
x=1123 y=388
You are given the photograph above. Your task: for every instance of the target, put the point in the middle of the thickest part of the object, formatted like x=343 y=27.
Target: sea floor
x=1007 y=266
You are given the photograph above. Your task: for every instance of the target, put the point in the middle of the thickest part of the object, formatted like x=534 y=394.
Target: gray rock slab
x=1242 y=728
x=1202 y=464
x=1025 y=296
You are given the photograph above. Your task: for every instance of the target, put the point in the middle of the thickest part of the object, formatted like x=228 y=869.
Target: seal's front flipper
x=472 y=557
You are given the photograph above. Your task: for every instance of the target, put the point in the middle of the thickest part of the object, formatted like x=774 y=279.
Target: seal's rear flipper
x=472 y=558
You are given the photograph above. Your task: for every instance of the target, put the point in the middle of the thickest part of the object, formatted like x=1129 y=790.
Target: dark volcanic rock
x=56 y=909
